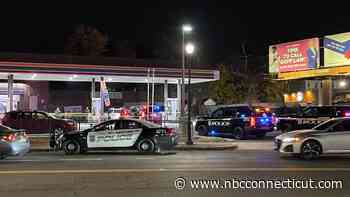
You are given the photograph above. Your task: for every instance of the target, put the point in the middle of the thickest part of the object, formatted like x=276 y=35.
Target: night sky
x=219 y=28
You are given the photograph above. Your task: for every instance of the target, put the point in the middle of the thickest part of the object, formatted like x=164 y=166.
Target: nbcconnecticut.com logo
x=181 y=183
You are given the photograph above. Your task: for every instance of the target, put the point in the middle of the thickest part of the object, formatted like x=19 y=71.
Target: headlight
x=291 y=139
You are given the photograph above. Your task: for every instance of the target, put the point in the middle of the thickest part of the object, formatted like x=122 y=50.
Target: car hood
x=297 y=133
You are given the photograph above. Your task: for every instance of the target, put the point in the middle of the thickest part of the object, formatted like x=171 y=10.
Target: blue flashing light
x=156 y=108
x=264 y=120
x=212 y=132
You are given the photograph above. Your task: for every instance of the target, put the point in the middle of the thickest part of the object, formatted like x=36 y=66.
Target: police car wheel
x=146 y=145
x=2 y=156
x=71 y=147
x=238 y=133
x=311 y=150
x=202 y=130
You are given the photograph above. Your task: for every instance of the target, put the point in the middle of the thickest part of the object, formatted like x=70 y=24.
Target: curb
x=181 y=148
x=217 y=148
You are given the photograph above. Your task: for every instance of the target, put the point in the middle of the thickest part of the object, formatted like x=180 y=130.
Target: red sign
x=294 y=56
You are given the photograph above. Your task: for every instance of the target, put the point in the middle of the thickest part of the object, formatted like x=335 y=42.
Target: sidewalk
x=200 y=143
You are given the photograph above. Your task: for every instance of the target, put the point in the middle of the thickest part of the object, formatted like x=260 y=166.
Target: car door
x=40 y=122
x=128 y=133
x=102 y=135
x=337 y=138
x=25 y=119
x=341 y=136
x=217 y=122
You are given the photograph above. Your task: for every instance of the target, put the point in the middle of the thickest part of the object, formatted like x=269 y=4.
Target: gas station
x=18 y=71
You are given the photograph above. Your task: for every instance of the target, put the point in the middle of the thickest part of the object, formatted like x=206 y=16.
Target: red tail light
x=169 y=131
x=252 y=121
x=124 y=113
x=9 y=138
x=142 y=114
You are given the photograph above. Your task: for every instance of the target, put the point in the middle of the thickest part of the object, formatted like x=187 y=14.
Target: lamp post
x=189 y=52
x=185 y=29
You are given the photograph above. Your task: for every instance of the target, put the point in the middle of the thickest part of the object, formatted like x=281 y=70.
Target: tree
x=228 y=89
x=86 y=41
x=124 y=48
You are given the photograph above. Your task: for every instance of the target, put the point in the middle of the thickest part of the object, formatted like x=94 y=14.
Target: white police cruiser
x=125 y=133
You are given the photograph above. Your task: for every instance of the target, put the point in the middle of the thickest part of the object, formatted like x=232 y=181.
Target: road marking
x=144 y=158
x=52 y=160
x=99 y=171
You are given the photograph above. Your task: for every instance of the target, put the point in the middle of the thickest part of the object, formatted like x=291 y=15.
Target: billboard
x=294 y=56
x=337 y=50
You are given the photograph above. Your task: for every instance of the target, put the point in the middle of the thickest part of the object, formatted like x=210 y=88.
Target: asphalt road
x=131 y=174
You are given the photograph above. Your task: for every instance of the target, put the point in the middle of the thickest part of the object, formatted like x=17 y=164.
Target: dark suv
x=237 y=120
x=37 y=122
x=311 y=116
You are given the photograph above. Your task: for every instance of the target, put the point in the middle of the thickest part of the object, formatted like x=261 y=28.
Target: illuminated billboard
x=337 y=50
x=294 y=56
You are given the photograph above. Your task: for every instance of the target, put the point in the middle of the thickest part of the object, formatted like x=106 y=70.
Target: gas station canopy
x=77 y=68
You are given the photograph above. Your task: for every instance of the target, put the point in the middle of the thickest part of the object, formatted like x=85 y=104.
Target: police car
x=310 y=117
x=123 y=133
x=237 y=120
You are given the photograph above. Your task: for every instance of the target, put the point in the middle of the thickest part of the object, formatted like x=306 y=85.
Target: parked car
x=37 y=122
x=13 y=142
x=116 y=113
x=311 y=116
x=332 y=136
x=124 y=133
x=237 y=120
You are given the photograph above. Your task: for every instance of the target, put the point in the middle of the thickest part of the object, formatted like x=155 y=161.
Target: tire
x=286 y=128
x=311 y=150
x=146 y=145
x=239 y=133
x=260 y=135
x=71 y=147
x=203 y=130
x=2 y=156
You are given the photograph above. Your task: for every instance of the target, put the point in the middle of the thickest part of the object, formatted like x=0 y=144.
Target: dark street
x=133 y=174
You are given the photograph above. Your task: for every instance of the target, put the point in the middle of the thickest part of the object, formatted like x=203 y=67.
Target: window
x=325 y=125
x=230 y=112
x=110 y=125
x=326 y=112
x=13 y=115
x=26 y=115
x=343 y=126
x=218 y=113
x=245 y=111
x=311 y=111
x=129 y=124
x=39 y=116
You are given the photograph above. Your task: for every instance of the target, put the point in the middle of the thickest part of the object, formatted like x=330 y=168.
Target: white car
x=332 y=136
x=13 y=142
x=116 y=113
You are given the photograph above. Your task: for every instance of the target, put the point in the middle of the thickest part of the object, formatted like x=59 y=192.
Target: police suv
x=237 y=120
x=125 y=133
x=311 y=116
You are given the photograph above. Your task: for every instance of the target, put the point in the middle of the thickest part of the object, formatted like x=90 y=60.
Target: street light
x=342 y=83
x=185 y=29
x=189 y=48
x=189 y=51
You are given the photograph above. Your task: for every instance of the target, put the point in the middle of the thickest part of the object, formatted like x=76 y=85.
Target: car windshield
x=4 y=129
x=326 y=125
